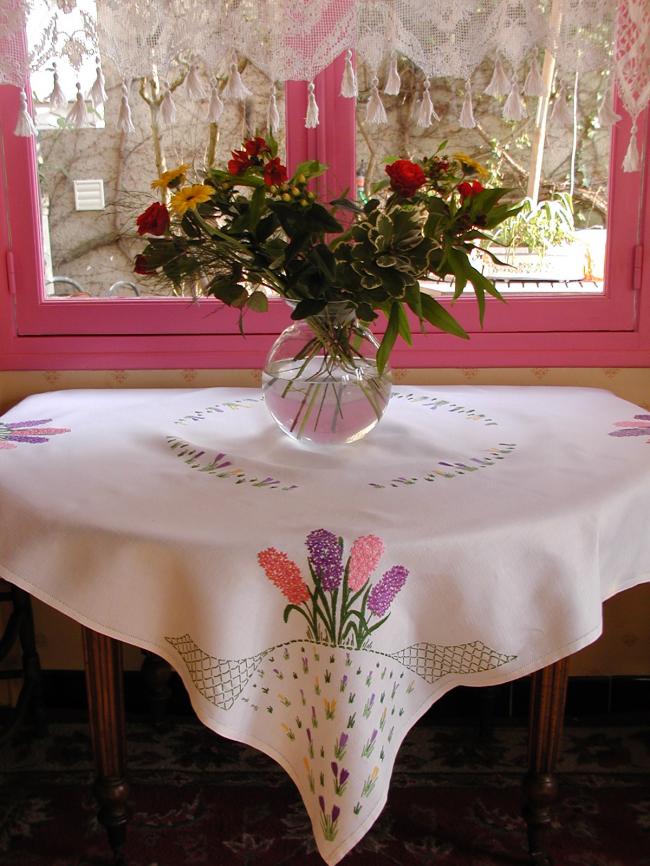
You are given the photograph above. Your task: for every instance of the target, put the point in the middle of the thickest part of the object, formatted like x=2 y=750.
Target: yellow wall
x=624 y=647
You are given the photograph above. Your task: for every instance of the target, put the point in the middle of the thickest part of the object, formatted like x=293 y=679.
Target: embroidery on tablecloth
x=14 y=432
x=640 y=426
x=446 y=469
x=430 y=401
x=219 y=408
x=331 y=694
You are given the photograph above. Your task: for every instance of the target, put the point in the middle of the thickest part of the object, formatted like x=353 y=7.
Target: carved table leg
x=157 y=673
x=103 y=660
x=547 y=700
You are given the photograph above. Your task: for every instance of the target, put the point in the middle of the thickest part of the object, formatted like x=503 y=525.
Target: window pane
x=89 y=228
x=556 y=246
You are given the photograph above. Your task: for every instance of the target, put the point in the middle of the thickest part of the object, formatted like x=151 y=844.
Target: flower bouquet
x=250 y=227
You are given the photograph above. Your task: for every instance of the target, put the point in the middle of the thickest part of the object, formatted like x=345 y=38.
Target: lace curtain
x=194 y=48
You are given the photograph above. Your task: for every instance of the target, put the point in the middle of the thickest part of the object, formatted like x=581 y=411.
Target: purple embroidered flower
x=335 y=814
x=383 y=593
x=639 y=427
x=326 y=558
x=321 y=803
x=27 y=431
x=345 y=775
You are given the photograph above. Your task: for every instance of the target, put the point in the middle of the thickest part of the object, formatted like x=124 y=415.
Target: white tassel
x=500 y=84
x=78 y=116
x=215 y=109
x=607 y=116
x=98 y=91
x=534 y=83
x=514 y=107
x=415 y=109
x=393 y=81
x=631 y=161
x=57 y=98
x=25 y=126
x=124 y=119
x=235 y=88
x=311 y=120
x=466 y=119
x=168 y=109
x=349 y=86
x=562 y=115
x=375 y=111
x=194 y=84
x=426 y=112
x=274 y=120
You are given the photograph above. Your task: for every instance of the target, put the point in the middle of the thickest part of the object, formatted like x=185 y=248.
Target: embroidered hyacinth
x=364 y=558
x=340 y=605
x=640 y=426
x=12 y=432
x=285 y=574
x=326 y=558
x=384 y=592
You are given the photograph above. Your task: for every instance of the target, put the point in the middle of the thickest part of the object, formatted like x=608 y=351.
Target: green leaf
x=310 y=168
x=460 y=266
x=258 y=302
x=388 y=341
x=308 y=307
x=346 y=204
x=436 y=315
x=403 y=326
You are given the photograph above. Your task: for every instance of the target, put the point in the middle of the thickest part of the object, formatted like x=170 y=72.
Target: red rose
x=141 y=266
x=274 y=172
x=406 y=177
x=255 y=146
x=239 y=162
x=154 y=221
x=469 y=188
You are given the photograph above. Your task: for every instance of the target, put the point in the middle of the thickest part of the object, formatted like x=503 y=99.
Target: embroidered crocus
x=325 y=556
x=285 y=574
x=639 y=427
x=27 y=431
x=340 y=746
x=364 y=558
x=383 y=593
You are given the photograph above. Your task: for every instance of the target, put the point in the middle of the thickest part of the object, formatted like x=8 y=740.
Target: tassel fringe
x=562 y=115
x=124 y=118
x=349 y=86
x=57 y=98
x=215 y=108
x=25 y=127
x=426 y=113
x=534 y=84
x=168 y=109
x=393 y=81
x=311 y=120
x=98 y=90
x=274 y=120
x=632 y=161
x=194 y=84
x=466 y=119
x=78 y=115
x=514 y=107
x=375 y=111
x=235 y=89
x=607 y=116
x=500 y=84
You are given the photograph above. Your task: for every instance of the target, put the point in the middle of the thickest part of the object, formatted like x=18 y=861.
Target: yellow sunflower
x=190 y=196
x=168 y=178
x=467 y=162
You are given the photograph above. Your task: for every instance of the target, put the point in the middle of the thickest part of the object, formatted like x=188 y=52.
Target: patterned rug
x=199 y=800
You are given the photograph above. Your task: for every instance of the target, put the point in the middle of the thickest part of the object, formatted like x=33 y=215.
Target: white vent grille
x=89 y=194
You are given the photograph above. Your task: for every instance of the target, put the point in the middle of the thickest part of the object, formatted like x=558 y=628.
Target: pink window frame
x=610 y=330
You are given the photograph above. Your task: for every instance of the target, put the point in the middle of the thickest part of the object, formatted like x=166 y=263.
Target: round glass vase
x=320 y=380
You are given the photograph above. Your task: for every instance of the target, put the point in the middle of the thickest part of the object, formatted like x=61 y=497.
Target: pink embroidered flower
x=27 y=431
x=364 y=558
x=639 y=427
x=285 y=574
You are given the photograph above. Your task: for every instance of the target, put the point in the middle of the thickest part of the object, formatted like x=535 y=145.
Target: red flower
x=153 y=221
x=141 y=266
x=469 y=188
x=406 y=177
x=274 y=172
x=239 y=162
x=256 y=146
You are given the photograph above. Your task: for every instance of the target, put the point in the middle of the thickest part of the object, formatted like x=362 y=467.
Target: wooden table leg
x=103 y=660
x=547 y=701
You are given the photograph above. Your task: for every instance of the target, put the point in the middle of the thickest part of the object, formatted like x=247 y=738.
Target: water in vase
x=326 y=405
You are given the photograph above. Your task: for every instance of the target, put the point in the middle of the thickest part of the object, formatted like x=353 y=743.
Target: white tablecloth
x=317 y=603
